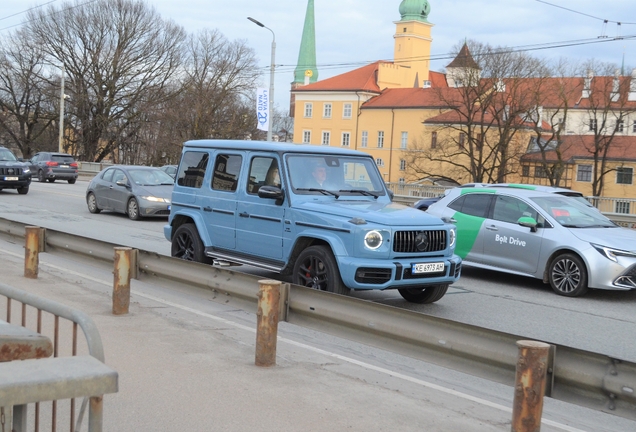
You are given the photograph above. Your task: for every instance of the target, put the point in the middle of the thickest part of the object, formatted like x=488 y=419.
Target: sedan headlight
x=453 y=237
x=611 y=253
x=373 y=240
x=156 y=199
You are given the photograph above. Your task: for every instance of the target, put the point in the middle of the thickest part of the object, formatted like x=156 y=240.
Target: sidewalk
x=186 y=363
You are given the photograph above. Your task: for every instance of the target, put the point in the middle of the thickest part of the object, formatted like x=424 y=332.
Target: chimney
x=632 y=87
x=616 y=86
x=587 y=84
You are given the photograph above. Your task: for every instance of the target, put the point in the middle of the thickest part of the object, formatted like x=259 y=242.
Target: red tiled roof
x=361 y=79
x=581 y=147
x=414 y=98
x=437 y=79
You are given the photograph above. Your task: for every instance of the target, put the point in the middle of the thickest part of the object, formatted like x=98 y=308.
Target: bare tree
x=25 y=93
x=117 y=54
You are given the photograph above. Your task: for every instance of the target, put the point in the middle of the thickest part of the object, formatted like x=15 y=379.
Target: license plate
x=63 y=166
x=427 y=268
x=11 y=179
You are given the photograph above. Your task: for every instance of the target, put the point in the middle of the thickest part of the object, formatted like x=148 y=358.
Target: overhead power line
x=584 y=14
x=26 y=10
x=50 y=14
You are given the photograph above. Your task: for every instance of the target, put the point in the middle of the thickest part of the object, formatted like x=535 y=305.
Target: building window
x=624 y=175
x=365 y=139
x=346 y=111
x=379 y=162
x=525 y=170
x=634 y=127
x=309 y=108
x=593 y=124
x=346 y=139
x=306 y=137
x=326 y=110
x=584 y=173
x=402 y=164
x=620 y=126
x=462 y=140
x=326 y=137
x=539 y=172
x=622 y=207
x=405 y=140
x=380 y=139
x=433 y=139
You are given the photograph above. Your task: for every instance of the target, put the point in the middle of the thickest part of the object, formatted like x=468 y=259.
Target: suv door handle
x=244 y=214
x=207 y=209
x=492 y=228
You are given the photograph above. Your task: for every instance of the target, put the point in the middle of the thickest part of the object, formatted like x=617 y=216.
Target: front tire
x=187 y=244
x=316 y=268
x=424 y=295
x=91 y=201
x=23 y=190
x=568 y=275
x=132 y=209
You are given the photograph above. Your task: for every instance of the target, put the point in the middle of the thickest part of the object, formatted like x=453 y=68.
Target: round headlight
x=373 y=240
x=453 y=237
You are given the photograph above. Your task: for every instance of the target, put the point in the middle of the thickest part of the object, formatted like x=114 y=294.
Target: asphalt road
x=602 y=321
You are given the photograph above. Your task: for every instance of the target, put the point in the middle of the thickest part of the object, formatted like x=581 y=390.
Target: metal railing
x=82 y=376
x=580 y=377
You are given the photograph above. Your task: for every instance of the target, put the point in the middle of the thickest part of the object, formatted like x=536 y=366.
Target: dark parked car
x=171 y=170
x=424 y=203
x=137 y=191
x=54 y=166
x=13 y=173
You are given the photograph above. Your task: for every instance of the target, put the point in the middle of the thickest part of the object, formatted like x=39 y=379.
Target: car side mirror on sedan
x=123 y=183
x=528 y=222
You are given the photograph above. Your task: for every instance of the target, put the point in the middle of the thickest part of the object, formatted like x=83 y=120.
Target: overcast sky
x=351 y=33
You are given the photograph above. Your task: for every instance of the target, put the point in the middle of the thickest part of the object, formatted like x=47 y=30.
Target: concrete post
x=31 y=252
x=267 y=322
x=121 y=283
x=529 y=386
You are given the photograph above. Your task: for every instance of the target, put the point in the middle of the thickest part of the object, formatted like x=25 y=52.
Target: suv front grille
x=428 y=241
x=10 y=171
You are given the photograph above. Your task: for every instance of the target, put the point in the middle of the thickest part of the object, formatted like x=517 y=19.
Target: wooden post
x=529 y=386
x=121 y=283
x=267 y=322
x=32 y=252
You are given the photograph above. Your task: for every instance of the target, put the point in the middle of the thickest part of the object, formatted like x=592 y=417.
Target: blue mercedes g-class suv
x=321 y=214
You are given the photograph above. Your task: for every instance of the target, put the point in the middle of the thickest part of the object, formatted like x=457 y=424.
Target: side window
x=263 y=172
x=118 y=175
x=509 y=209
x=108 y=175
x=226 y=172
x=192 y=169
x=473 y=204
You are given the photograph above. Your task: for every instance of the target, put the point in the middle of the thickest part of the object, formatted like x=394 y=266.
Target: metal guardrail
x=580 y=377
x=58 y=378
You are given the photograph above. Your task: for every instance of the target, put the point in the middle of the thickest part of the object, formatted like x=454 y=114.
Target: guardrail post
x=31 y=252
x=529 y=386
x=121 y=284
x=267 y=322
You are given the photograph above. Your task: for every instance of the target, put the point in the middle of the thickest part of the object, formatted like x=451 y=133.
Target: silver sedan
x=543 y=235
x=137 y=191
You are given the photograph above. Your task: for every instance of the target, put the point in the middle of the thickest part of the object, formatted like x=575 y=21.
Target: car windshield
x=6 y=155
x=573 y=214
x=150 y=177
x=334 y=175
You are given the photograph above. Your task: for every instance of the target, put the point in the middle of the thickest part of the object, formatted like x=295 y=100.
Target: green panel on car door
x=467 y=231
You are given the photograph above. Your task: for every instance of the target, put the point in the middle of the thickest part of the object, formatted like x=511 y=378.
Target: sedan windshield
x=150 y=177
x=333 y=175
x=573 y=214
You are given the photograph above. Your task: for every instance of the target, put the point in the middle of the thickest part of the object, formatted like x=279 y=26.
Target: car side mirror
x=528 y=222
x=272 y=192
x=391 y=194
x=123 y=183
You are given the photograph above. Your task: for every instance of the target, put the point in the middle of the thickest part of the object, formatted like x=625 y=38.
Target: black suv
x=13 y=173
x=54 y=166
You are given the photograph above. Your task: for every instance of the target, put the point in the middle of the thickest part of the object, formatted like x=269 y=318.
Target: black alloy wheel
x=316 y=268
x=187 y=244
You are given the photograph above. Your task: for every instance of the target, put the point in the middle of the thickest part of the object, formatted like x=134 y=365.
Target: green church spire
x=306 y=65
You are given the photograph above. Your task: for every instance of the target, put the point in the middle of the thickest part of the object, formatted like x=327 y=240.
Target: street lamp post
x=60 y=144
x=271 y=78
